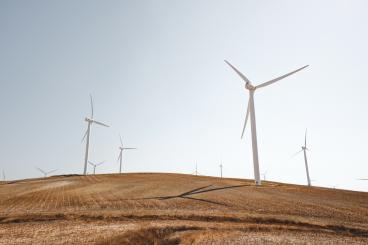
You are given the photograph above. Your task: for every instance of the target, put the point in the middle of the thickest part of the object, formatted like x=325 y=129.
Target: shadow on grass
x=188 y=194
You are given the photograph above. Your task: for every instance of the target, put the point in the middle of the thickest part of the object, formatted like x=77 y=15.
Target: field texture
x=166 y=208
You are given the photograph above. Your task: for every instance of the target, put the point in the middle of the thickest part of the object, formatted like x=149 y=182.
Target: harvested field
x=177 y=209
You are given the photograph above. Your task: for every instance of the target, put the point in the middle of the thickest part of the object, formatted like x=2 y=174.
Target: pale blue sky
x=156 y=72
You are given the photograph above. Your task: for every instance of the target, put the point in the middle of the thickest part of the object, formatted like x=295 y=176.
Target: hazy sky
x=157 y=76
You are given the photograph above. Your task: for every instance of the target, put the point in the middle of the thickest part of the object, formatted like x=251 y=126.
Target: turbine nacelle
x=249 y=86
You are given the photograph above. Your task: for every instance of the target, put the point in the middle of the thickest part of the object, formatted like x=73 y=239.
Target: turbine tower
x=220 y=169
x=90 y=121
x=122 y=148
x=4 y=175
x=251 y=110
x=46 y=173
x=95 y=165
x=304 y=150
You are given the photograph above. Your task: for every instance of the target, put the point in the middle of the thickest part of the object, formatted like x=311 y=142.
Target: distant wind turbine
x=220 y=169
x=251 y=111
x=304 y=150
x=264 y=175
x=90 y=121
x=95 y=165
x=196 y=171
x=46 y=173
x=122 y=148
x=4 y=175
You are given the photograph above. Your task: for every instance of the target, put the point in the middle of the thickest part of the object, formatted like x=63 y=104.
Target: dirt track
x=175 y=208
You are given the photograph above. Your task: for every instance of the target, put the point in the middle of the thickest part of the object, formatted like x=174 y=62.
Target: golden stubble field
x=155 y=208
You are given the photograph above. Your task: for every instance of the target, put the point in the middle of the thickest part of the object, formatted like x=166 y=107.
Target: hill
x=143 y=208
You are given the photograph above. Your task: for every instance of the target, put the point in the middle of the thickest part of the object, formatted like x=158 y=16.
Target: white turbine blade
x=119 y=157
x=98 y=164
x=296 y=153
x=305 y=139
x=90 y=96
x=129 y=148
x=245 y=121
x=100 y=123
x=279 y=78
x=51 y=171
x=91 y=163
x=121 y=141
x=41 y=170
x=238 y=72
x=84 y=136
x=362 y=179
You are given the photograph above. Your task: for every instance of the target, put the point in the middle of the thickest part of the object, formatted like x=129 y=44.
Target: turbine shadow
x=187 y=195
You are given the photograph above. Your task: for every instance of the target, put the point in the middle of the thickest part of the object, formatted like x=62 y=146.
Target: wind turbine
x=251 y=110
x=4 y=175
x=264 y=175
x=95 y=165
x=304 y=150
x=46 y=173
x=122 y=148
x=220 y=169
x=196 y=171
x=90 y=121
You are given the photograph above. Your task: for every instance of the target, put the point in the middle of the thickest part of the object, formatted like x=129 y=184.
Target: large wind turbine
x=95 y=165
x=90 y=121
x=46 y=173
x=122 y=148
x=304 y=150
x=251 y=88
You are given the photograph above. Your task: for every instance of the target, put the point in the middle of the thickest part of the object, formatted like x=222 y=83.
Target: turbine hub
x=249 y=86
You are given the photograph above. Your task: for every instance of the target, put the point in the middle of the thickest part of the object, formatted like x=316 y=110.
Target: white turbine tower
x=304 y=150
x=122 y=148
x=220 y=170
x=95 y=165
x=90 y=121
x=3 y=175
x=251 y=88
x=46 y=173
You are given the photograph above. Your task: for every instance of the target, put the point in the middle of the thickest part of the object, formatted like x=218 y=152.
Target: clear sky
x=157 y=76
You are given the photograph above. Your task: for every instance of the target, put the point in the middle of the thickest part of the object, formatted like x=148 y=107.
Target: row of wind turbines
x=250 y=114
x=90 y=121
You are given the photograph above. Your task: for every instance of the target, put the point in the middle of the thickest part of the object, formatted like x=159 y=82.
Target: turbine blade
x=238 y=72
x=90 y=96
x=84 y=136
x=91 y=163
x=245 y=121
x=98 y=164
x=51 y=171
x=100 y=123
x=129 y=148
x=41 y=170
x=119 y=157
x=121 y=141
x=296 y=153
x=279 y=78
x=305 y=139
x=362 y=179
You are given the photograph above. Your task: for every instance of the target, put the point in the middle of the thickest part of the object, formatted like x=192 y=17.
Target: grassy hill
x=162 y=208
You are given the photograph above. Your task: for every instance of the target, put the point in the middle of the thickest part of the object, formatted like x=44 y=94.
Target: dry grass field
x=157 y=208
